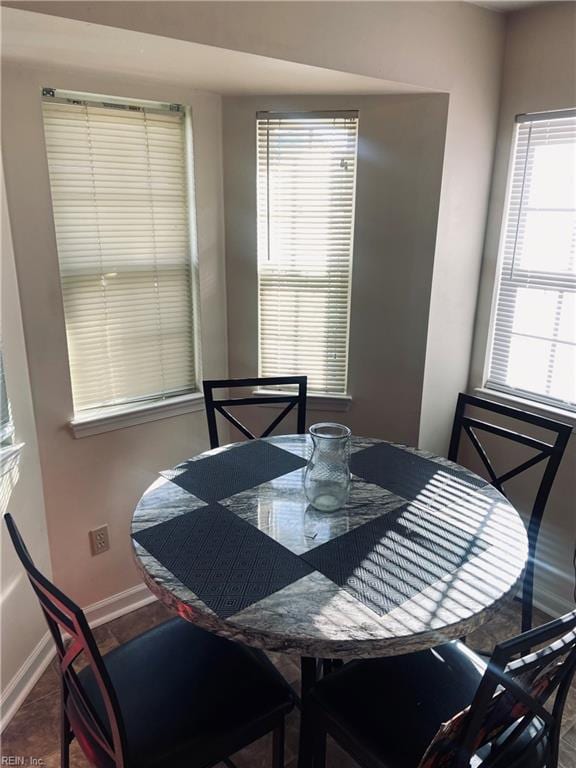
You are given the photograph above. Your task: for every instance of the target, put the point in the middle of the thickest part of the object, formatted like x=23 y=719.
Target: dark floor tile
x=569 y=737
x=504 y=625
x=257 y=755
x=77 y=758
x=33 y=732
x=570 y=709
x=132 y=624
x=292 y=734
x=103 y=635
x=105 y=641
x=539 y=617
x=566 y=755
x=288 y=666
x=47 y=685
x=335 y=758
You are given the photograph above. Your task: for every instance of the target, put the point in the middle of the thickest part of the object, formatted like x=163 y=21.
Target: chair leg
x=309 y=672
x=306 y=745
x=65 y=737
x=331 y=665
x=320 y=748
x=278 y=745
x=528 y=596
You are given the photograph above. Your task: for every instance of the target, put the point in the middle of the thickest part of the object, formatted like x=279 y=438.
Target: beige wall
x=539 y=74
x=98 y=479
x=21 y=622
x=450 y=47
x=446 y=46
x=400 y=150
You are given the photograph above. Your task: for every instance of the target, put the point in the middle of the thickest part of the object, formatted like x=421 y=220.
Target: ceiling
x=53 y=40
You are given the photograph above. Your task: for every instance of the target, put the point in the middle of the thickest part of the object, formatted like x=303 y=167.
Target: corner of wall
x=21 y=491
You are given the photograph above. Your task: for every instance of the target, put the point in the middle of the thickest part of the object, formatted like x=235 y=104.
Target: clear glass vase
x=327 y=475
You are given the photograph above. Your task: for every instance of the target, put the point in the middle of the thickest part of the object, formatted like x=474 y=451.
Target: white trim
x=568 y=417
x=329 y=402
x=551 y=114
x=320 y=114
x=118 y=605
x=551 y=603
x=193 y=242
x=315 y=402
x=119 y=417
x=99 y=99
x=268 y=118
x=16 y=691
x=488 y=335
x=495 y=287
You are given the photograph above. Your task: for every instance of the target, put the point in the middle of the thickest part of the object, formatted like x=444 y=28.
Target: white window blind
x=533 y=351
x=119 y=184
x=6 y=424
x=306 y=189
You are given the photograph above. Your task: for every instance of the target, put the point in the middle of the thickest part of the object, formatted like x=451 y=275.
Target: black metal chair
x=291 y=399
x=174 y=697
x=447 y=708
x=549 y=452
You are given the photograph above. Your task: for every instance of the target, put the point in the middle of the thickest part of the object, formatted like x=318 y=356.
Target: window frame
x=98 y=419
x=488 y=388
x=323 y=399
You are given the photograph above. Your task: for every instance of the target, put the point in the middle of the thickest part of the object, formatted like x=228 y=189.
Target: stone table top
x=313 y=616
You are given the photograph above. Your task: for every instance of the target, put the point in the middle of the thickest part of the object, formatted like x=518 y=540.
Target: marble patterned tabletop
x=315 y=616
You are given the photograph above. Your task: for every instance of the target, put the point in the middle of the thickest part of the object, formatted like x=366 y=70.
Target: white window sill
x=119 y=417
x=9 y=457
x=315 y=402
x=568 y=417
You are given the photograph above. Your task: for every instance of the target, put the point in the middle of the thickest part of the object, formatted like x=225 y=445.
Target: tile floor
x=33 y=732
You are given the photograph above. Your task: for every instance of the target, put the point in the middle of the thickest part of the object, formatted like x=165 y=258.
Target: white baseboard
x=16 y=691
x=119 y=604
x=551 y=603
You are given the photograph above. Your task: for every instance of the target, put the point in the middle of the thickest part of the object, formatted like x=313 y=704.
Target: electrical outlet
x=99 y=540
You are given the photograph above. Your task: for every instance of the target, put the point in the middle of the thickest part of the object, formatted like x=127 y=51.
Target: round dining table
x=423 y=552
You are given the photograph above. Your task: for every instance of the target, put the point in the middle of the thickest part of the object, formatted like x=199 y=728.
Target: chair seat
x=189 y=698
x=386 y=712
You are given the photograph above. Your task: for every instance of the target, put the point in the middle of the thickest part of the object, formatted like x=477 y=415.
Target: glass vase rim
x=346 y=432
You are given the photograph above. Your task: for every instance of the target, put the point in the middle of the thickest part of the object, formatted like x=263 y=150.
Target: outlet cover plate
x=99 y=540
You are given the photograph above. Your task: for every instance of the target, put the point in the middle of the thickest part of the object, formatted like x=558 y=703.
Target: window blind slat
x=306 y=187
x=120 y=201
x=533 y=349
x=6 y=424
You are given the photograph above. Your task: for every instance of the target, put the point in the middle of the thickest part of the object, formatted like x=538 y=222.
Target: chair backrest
x=510 y=722
x=549 y=452
x=291 y=399
x=517 y=686
x=103 y=743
